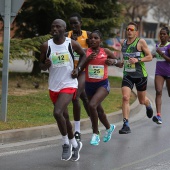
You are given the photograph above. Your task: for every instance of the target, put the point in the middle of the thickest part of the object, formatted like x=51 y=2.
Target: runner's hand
x=92 y=56
x=74 y=73
x=47 y=62
x=133 y=60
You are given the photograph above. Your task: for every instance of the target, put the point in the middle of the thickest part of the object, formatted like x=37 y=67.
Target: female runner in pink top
x=97 y=85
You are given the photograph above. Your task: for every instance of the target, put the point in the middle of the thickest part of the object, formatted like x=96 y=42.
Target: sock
x=159 y=114
x=65 y=140
x=74 y=142
x=149 y=106
x=77 y=126
x=126 y=122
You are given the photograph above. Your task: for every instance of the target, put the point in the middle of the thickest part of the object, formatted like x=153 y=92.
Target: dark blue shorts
x=91 y=87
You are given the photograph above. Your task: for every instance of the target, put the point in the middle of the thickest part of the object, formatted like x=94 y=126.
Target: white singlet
x=61 y=67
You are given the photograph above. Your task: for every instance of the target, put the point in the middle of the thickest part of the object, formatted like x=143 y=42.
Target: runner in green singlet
x=135 y=52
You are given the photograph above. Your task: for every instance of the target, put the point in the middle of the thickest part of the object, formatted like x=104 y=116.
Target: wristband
x=139 y=59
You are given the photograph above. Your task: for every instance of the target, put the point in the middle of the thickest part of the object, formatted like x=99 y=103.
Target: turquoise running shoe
x=95 y=139
x=108 y=133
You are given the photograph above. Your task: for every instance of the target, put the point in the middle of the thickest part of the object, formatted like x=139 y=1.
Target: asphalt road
x=146 y=148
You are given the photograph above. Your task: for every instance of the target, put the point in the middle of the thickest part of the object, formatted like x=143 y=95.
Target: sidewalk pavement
x=42 y=132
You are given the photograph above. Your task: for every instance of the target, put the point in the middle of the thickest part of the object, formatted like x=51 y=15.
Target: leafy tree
x=106 y=16
x=36 y=16
x=24 y=48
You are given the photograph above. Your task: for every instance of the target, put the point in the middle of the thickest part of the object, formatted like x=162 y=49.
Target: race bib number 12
x=59 y=60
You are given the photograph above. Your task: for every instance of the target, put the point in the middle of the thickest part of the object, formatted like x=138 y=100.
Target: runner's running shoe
x=108 y=133
x=67 y=152
x=149 y=111
x=157 y=119
x=125 y=129
x=76 y=152
x=95 y=139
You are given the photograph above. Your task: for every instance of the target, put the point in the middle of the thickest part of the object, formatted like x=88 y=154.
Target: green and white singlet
x=138 y=69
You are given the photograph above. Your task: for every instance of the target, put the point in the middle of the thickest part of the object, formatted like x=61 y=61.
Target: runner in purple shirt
x=162 y=72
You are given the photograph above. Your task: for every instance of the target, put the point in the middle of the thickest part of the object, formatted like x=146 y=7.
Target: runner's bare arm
x=142 y=46
x=112 y=59
x=163 y=54
x=44 y=62
x=79 y=50
x=81 y=63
